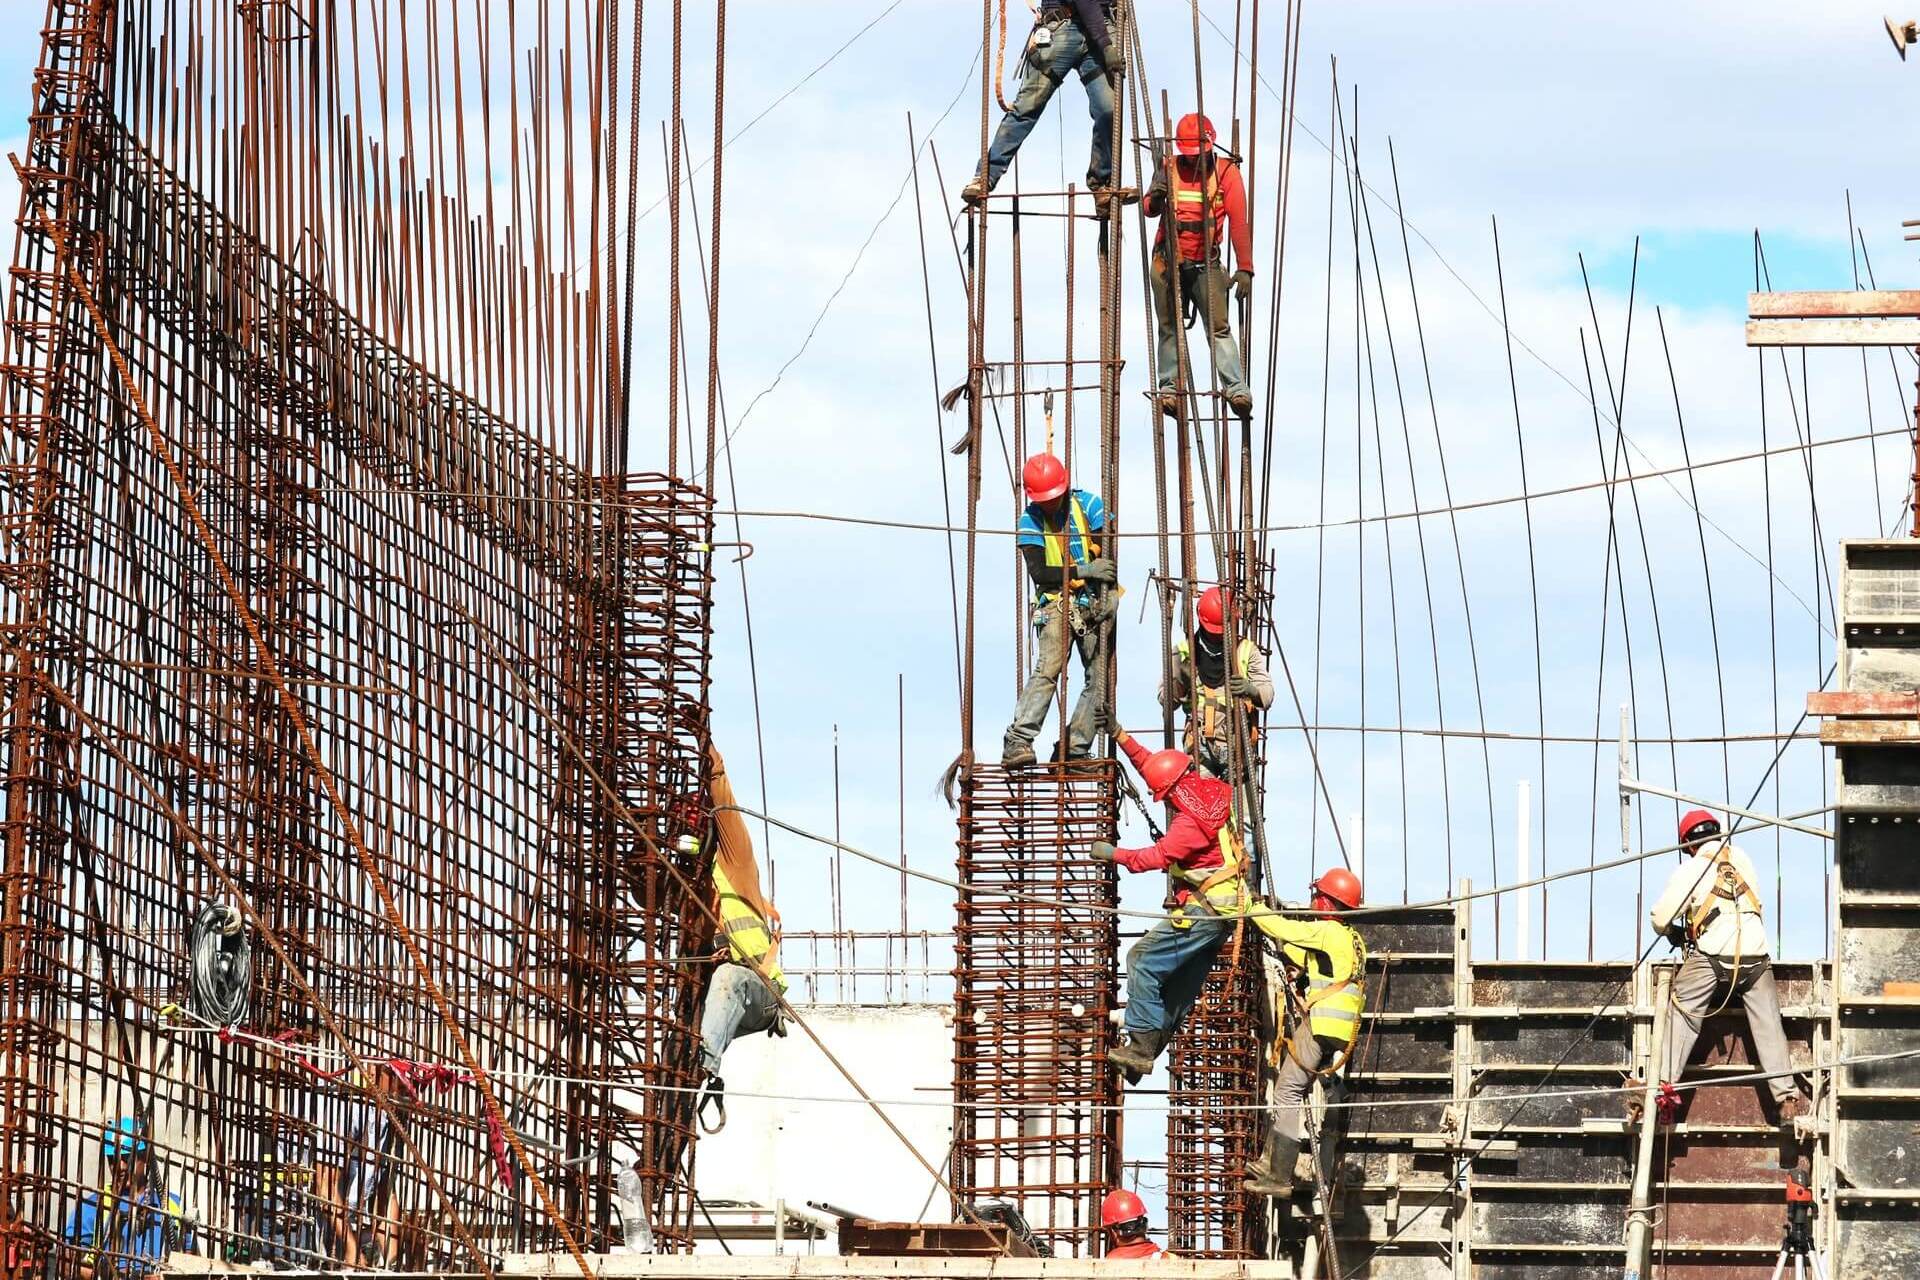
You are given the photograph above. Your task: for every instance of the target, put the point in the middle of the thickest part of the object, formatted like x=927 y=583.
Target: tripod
x=1798 y=1240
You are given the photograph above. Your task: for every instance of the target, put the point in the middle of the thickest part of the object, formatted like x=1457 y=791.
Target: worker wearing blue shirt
x=1059 y=540
x=132 y=1221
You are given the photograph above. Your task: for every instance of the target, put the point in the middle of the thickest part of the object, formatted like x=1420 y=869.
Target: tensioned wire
x=308 y=1054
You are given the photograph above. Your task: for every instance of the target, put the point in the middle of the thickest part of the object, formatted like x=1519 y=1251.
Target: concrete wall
x=840 y=1153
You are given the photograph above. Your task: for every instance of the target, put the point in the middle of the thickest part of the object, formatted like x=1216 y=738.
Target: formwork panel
x=1035 y=980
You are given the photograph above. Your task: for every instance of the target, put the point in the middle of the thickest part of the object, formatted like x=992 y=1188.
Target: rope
x=219 y=963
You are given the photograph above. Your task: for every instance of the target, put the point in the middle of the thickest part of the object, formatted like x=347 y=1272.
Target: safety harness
x=1056 y=541
x=1196 y=203
x=1730 y=891
x=1208 y=718
x=1321 y=986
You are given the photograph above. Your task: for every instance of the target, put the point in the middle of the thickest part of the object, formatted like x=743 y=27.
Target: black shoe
x=1135 y=1054
x=1272 y=1173
x=1241 y=402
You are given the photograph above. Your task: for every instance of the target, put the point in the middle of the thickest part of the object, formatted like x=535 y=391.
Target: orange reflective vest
x=1194 y=201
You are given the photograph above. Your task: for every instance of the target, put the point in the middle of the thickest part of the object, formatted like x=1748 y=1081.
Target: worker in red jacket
x=1124 y=1217
x=1201 y=855
x=1201 y=194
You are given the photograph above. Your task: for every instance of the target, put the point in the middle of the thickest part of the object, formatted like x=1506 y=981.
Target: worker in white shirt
x=1709 y=907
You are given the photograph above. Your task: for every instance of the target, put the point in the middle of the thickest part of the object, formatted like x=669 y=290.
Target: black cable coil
x=220 y=958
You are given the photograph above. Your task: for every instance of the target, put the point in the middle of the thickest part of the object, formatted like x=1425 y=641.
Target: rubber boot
x=1272 y=1173
x=1135 y=1054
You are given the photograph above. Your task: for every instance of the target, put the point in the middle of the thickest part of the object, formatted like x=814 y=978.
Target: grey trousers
x=1294 y=1086
x=739 y=1003
x=1697 y=989
x=1053 y=630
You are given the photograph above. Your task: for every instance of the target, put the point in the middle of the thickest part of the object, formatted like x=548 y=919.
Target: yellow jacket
x=1334 y=959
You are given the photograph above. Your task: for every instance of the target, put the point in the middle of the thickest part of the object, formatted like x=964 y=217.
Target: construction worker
x=1709 y=907
x=1201 y=854
x=1201 y=681
x=1068 y=36
x=1326 y=965
x=744 y=996
x=128 y=1227
x=1204 y=194
x=1071 y=603
x=1124 y=1217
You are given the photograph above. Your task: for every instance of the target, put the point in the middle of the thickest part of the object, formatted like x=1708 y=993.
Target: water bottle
x=633 y=1211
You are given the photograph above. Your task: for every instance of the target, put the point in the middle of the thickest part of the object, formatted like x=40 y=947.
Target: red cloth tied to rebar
x=497 y=1143
x=415 y=1077
x=1666 y=1104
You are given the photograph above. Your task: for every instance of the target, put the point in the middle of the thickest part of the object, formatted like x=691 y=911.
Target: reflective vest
x=1194 y=201
x=1223 y=888
x=1208 y=720
x=748 y=941
x=1730 y=892
x=1056 y=541
x=1334 y=959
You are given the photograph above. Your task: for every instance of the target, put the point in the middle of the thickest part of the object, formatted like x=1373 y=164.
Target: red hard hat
x=1194 y=135
x=1211 y=612
x=1045 y=477
x=1695 y=818
x=1163 y=769
x=1120 y=1207
x=1342 y=886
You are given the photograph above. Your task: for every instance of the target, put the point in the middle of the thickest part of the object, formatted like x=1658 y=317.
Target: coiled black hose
x=220 y=960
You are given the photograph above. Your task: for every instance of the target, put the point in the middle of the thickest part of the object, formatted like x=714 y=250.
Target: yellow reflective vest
x=1334 y=959
x=1209 y=721
x=748 y=940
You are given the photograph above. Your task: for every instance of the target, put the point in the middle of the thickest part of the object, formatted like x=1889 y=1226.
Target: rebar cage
x=295 y=623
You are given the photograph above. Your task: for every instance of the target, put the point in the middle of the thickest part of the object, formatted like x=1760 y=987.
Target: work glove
x=1240 y=686
x=1102 y=851
x=1100 y=570
x=1242 y=283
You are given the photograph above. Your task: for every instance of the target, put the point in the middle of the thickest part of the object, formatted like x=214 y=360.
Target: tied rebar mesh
x=1213 y=1074
x=502 y=664
x=1033 y=989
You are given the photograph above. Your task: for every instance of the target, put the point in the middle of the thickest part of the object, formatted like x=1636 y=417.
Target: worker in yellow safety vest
x=744 y=996
x=1201 y=680
x=1326 y=964
x=1710 y=908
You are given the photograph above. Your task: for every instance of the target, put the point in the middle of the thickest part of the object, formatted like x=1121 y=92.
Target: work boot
x=1167 y=400
x=1634 y=1099
x=975 y=192
x=1016 y=754
x=1135 y=1054
x=1272 y=1173
x=1790 y=1109
x=1241 y=402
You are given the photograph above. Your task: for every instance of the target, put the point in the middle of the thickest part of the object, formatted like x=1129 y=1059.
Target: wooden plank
x=1863 y=704
x=1855 y=732
x=1879 y=331
x=1833 y=303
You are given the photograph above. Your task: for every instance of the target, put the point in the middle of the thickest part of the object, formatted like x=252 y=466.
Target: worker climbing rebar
x=1059 y=542
x=1199 y=192
x=743 y=995
x=1710 y=909
x=1326 y=963
x=1201 y=855
x=1201 y=680
x=1068 y=36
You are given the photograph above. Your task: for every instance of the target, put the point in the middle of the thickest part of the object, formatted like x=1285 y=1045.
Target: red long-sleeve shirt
x=1188 y=843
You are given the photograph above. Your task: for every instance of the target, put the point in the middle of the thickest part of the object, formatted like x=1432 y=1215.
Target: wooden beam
x=1840 y=304
x=1834 y=702
x=1857 y=331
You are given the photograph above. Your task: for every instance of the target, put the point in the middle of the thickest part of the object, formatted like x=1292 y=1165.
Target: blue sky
x=1687 y=125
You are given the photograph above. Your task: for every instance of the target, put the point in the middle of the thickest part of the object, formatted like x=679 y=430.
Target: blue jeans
x=1209 y=293
x=739 y=1003
x=1045 y=70
x=1167 y=968
x=1051 y=624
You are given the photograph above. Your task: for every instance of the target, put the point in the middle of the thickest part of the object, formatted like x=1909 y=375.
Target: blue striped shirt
x=1035 y=526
